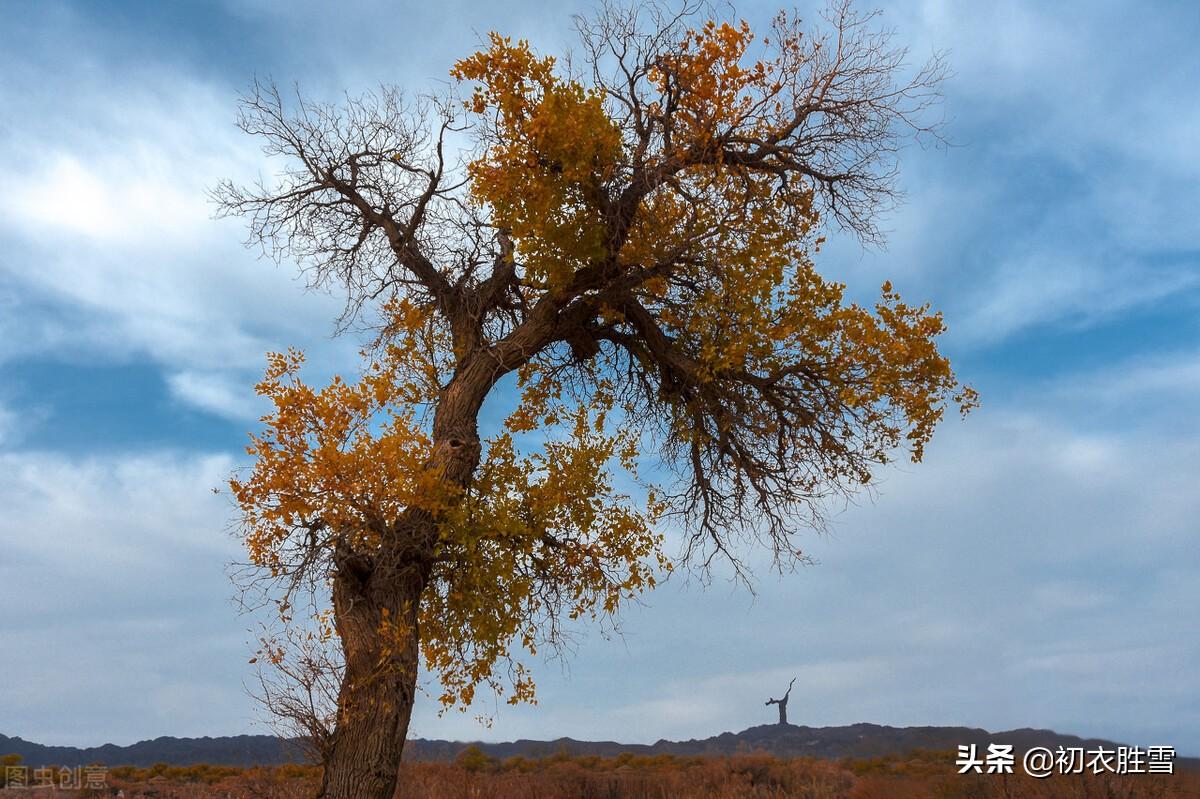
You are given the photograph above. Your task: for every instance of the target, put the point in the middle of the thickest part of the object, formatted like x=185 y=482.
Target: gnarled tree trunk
x=376 y=612
x=377 y=601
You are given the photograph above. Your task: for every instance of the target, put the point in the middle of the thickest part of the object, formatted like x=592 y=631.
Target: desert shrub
x=474 y=759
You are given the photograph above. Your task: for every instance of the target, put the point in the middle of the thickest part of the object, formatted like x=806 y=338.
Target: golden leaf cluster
x=534 y=541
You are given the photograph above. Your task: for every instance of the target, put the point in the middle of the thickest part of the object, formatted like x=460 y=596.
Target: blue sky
x=1039 y=569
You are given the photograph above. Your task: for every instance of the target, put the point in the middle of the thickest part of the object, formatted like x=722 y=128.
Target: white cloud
x=110 y=246
x=1071 y=188
x=113 y=573
x=1167 y=376
x=1055 y=286
x=150 y=506
x=106 y=204
x=217 y=393
x=9 y=426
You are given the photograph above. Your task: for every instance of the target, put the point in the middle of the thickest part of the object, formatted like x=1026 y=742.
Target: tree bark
x=376 y=603
x=376 y=613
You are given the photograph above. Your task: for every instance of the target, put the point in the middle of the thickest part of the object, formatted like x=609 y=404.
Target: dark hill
x=237 y=750
x=856 y=740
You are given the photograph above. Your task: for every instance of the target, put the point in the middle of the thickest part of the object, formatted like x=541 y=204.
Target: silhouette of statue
x=782 y=703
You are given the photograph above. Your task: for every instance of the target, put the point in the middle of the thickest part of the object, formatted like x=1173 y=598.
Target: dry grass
x=920 y=775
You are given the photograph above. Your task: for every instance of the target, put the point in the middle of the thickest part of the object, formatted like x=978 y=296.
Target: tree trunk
x=376 y=604
x=376 y=616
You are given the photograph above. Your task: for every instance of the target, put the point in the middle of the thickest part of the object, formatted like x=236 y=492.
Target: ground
x=917 y=775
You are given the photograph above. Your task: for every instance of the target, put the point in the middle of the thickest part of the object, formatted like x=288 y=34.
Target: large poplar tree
x=636 y=235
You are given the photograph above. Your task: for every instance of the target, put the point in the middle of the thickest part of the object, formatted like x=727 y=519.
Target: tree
x=782 y=702
x=633 y=235
x=11 y=763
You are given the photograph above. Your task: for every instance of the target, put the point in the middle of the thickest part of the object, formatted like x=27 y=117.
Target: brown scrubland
x=922 y=774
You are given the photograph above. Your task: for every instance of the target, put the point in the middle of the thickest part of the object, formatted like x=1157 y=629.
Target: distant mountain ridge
x=855 y=740
x=235 y=750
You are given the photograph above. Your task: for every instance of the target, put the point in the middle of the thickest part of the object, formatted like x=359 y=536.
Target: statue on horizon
x=782 y=703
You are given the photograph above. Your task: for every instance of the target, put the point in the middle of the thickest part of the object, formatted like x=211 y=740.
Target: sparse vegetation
x=922 y=774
